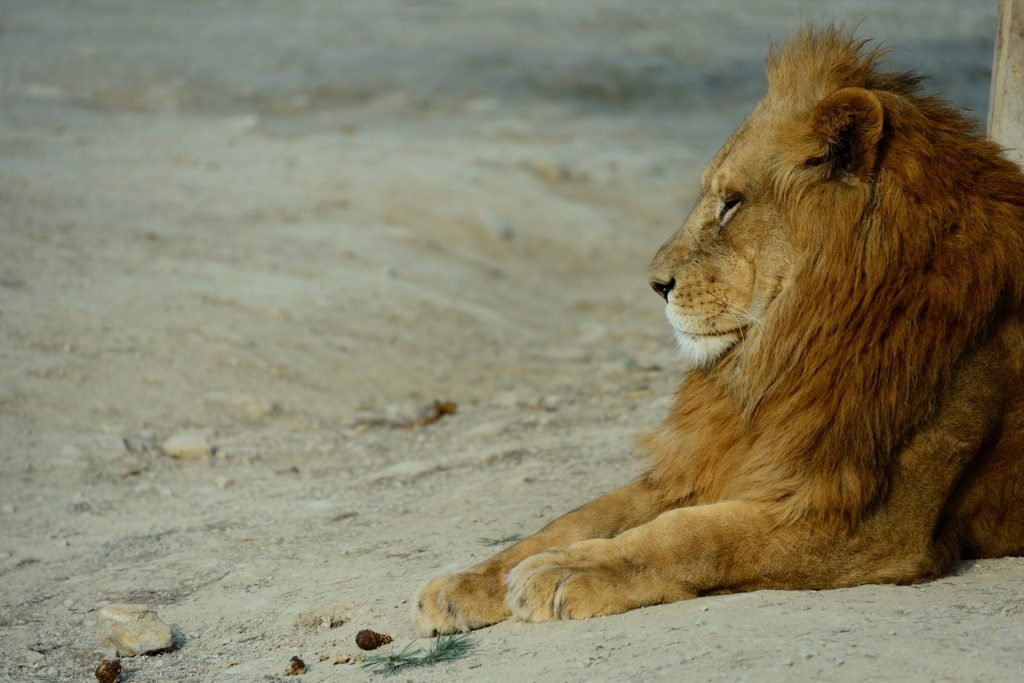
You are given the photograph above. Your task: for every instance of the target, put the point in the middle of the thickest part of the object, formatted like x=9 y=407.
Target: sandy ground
x=283 y=226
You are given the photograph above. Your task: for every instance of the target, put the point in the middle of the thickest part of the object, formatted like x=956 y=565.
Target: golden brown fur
x=851 y=288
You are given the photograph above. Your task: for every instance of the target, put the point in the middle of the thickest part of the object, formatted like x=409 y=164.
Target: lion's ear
x=846 y=127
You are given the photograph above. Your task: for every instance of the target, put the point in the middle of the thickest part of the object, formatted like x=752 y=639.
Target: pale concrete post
x=1006 y=98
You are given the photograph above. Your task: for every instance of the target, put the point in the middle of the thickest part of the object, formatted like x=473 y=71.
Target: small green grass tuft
x=511 y=538
x=449 y=648
x=444 y=649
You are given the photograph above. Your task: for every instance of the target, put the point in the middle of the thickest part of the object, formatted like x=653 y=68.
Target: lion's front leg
x=476 y=598
x=681 y=554
x=587 y=579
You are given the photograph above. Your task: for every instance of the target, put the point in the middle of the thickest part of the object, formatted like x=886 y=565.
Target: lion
x=850 y=290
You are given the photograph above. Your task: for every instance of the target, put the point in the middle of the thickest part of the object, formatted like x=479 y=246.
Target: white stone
x=187 y=447
x=133 y=630
x=551 y=402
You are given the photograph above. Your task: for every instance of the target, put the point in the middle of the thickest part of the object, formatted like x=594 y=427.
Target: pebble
x=32 y=657
x=108 y=671
x=187 y=447
x=371 y=640
x=551 y=402
x=296 y=667
x=133 y=630
x=488 y=429
x=8 y=509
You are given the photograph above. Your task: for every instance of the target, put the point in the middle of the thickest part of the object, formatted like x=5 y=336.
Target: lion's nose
x=663 y=288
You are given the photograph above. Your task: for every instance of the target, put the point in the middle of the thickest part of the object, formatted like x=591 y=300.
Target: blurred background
x=334 y=206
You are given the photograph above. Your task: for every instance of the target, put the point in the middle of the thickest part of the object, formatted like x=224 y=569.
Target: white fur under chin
x=701 y=350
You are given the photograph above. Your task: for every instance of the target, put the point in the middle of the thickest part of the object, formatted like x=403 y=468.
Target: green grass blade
x=511 y=538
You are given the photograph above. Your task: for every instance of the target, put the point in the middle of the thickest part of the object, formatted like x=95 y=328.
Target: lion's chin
x=704 y=349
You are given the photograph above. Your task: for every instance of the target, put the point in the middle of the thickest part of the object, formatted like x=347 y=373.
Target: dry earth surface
x=283 y=226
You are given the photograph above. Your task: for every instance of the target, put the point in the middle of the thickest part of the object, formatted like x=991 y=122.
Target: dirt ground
x=285 y=226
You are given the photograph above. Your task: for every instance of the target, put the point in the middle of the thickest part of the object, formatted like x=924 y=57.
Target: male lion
x=850 y=288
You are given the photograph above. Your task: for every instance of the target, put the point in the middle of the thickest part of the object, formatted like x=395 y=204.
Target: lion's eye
x=728 y=206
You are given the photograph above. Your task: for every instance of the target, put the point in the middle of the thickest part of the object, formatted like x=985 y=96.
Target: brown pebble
x=342 y=659
x=371 y=640
x=295 y=667
x=428 y=414
x=108 y=671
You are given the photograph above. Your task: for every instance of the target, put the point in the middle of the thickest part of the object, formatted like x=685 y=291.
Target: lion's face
x=723 y=268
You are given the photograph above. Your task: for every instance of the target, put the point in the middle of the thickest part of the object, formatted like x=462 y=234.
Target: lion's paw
x=461 y=602
x=564 y=583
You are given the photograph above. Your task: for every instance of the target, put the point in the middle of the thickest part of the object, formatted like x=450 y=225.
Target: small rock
x=133 y=630
x=343 y=659
x=108 y=671
x=488 y=429
x=295 y=667
x=32 y=657
x=187 y=447
x=551 y=402
x=371 y=640
x=8 y=509
x=428 y=415
x=222 y=482
x=69 y=603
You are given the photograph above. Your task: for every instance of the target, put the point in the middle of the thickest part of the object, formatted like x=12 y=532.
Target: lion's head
x=852 y=241
x=817 y=131
x=720 y=273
